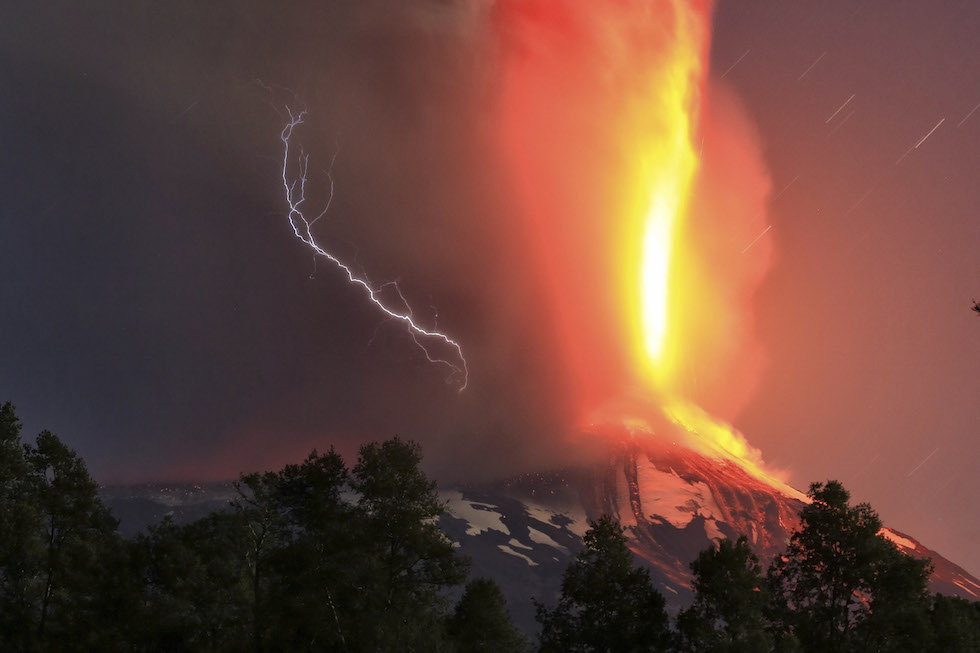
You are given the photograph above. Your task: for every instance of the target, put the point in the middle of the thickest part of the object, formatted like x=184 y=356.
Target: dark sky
x=159 y=315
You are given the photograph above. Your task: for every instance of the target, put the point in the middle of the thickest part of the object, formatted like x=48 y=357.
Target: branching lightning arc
x=295 y=190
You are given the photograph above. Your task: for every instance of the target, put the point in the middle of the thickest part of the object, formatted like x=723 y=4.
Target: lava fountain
x=637 y=196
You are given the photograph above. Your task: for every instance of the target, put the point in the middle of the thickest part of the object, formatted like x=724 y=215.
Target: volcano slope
x=673 y=501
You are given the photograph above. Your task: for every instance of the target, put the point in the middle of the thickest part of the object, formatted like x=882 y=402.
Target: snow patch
x=670 y=497
x=543 y=538
x=668 y=588
x=897 y=539
x=520 y=545
x=579 y=522
x=480 y=516
x=712 y=531
x=509 y=551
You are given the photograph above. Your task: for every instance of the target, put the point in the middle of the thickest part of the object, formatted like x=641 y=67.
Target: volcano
x=674 y=502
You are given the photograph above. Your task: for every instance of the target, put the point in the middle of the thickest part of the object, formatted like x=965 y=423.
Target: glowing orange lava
x=666 y=165
x=601 y=128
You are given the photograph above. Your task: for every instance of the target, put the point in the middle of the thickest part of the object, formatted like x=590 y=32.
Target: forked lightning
x=295 y=189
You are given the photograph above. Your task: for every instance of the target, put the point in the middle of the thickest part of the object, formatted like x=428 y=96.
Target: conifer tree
x=480 y=622
x=56 y=539
x=404 y=558
x=21 y=545
x=606 y=604
x=955 y=625
x=841 y=585
x=730 y=601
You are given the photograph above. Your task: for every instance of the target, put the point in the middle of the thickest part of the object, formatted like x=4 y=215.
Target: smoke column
x=640 y=184
x=581 y=219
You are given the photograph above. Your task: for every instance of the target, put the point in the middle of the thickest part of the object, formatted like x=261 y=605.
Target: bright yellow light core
x=671 y=168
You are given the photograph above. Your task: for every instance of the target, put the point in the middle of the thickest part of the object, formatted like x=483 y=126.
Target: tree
x=76 y=529
x=840 y=585
x=606 y=603
x=258 y=508
x=898 y=611
x=481 y=624
x=313 y=593
x=730 y=601
x=263 y=575
x=955 y=624
x=198 y=585
x=310 y=558
x=21 y=546
x=61 y=563
x=405 y=559
x=976 y=306
x=307 y=558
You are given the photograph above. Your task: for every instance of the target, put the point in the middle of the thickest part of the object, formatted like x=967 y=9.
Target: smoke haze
x=159 y=314
x=422 y=105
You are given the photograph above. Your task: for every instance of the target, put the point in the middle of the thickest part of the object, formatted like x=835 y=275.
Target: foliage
x=311 y=557
x=955 y=624
x=841 y=586
x=21 y=545
x=480 y=623
x=313 y=588
x=57 y=536
x=406 y=557
x=731 y=597
x=319 y=557
x=606 y=603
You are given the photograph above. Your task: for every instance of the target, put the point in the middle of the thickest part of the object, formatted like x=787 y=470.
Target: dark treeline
x=839 y=587
x=315 y=556
x=319 y=556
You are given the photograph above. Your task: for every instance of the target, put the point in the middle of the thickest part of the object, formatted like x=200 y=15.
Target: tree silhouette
x=57 y=541
x=840 y=584
x=481 y=624
x=310 y=558
x=20 y=544
x=606 y=603
x=313 y=588
x=405 y=559
x=955 y=624
x=198 y=584
x=319 y=557
x=265 y=534
x=730 y=601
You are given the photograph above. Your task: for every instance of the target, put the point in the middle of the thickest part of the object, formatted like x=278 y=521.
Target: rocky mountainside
x=522 y=532
x=674 y=503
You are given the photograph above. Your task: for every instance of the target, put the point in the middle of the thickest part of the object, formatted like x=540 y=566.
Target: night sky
x=157 y=312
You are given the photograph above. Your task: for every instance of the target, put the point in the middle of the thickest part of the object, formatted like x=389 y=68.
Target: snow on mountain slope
x=673 y=501
x=523 y=532
x=947 y=577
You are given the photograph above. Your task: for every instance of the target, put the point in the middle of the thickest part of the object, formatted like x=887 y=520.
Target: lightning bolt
x=295 y=190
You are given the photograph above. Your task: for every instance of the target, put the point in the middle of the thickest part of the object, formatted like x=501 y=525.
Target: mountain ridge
x=523 y=531
x=673 y=503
